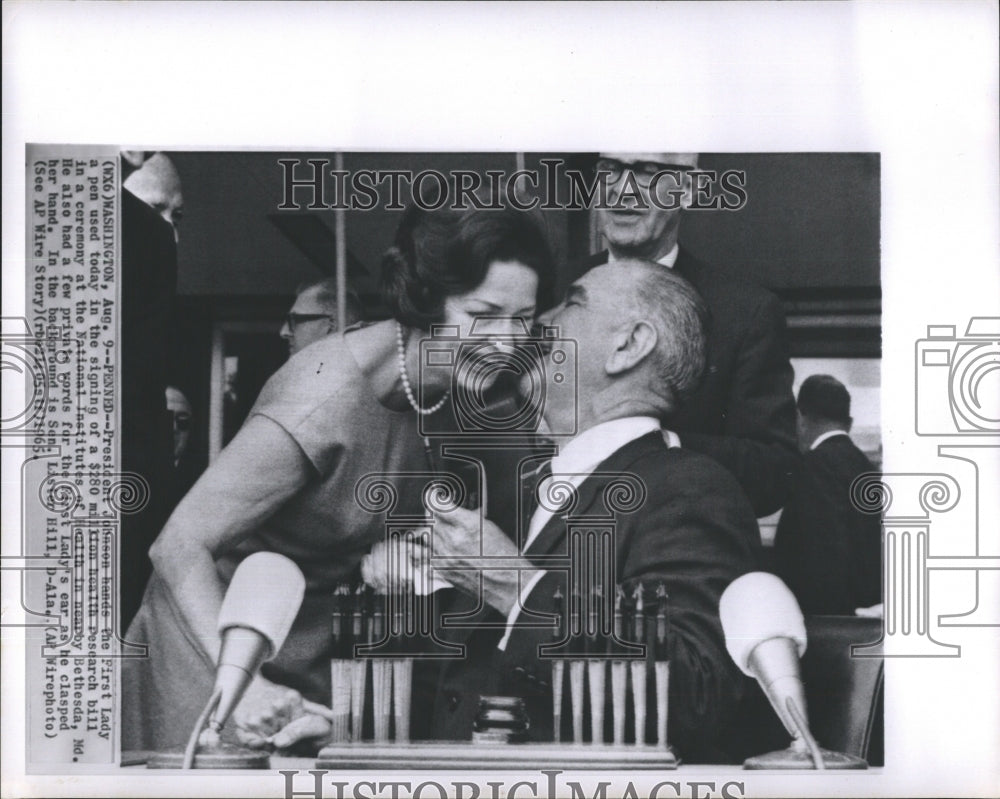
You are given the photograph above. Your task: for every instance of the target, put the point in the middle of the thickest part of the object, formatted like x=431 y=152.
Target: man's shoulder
x=839 y=450
x=690 y=488
x=718 y=284
x=722 y=281
x=676 y=469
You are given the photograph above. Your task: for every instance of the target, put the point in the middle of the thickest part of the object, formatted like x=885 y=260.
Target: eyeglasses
x=294 y=319
x=644 y=171
x=182 y=421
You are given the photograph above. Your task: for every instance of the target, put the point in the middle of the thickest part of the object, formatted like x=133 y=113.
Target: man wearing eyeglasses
x=187 y=464
x=743 y=415
x=314 y=314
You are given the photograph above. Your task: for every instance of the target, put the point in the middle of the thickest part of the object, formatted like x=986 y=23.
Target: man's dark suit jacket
x=694 y=535
x=827 y=551
x=743 y=414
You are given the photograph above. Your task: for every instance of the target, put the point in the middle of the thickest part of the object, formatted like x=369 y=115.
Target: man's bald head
x=157 y=183
x=639 y=330
x=667 y=301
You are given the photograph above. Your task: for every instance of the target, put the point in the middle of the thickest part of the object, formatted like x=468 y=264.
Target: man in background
x=826 y=550
x=150 y=204
x=743 y=414
x=187 y=465
x=313 y=315
x=157 y=183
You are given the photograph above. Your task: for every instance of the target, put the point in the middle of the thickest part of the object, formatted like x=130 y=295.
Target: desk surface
x=575 y=760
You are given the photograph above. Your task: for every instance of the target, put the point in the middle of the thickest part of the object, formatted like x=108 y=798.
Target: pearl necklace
x=401 y=357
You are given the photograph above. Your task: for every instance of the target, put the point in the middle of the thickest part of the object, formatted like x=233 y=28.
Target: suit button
x=453 y=702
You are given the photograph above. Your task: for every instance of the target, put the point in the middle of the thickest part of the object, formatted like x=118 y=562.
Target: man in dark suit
x=743 y=414
x=826 y=550
x=639 y=333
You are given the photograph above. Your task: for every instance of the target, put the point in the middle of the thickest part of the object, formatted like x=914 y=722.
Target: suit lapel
x=554 y=531
x=551 y=536
x=618 y=462
x=691 y=269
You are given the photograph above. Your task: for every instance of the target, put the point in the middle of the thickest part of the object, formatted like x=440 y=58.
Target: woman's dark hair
x=438 y=254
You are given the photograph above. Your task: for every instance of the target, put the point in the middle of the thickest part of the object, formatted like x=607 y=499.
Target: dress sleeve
x=312 y=398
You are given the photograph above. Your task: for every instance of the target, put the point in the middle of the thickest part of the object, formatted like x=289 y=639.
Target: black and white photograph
x=499 y=451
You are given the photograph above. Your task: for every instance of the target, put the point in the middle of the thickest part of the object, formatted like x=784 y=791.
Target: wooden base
x=223 y=756
x=467 y=755
x=798 y=759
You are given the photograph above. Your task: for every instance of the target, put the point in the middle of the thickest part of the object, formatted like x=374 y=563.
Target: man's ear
x=633 y=343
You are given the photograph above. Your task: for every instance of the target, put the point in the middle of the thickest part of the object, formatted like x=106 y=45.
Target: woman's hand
x=270 y=714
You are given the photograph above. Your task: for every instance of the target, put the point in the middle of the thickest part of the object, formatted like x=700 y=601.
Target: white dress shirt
x=828 y=434
x=667 y=260
x=575 y=462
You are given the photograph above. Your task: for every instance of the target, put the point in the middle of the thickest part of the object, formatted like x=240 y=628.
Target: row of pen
x=627 y=648
x=599 y=641
x=370 y=642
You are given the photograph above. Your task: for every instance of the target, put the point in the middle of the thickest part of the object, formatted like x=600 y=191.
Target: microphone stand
x=213 y=753
x=785 y=692
x=192 y=744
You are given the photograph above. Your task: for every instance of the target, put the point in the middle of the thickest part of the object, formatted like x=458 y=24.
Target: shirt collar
x=670 y=258
x=667 y=260
x=582 y=454
x=828 y=434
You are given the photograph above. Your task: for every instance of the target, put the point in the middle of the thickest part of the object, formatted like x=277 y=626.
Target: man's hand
x=377 y=567
x=474 y=547
x=270 y=714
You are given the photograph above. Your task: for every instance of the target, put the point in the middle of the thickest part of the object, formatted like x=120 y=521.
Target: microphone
x=765 y=636
x=257 y=612
x=263 y=600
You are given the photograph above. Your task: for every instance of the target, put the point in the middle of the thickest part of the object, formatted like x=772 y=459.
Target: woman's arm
x=254 y=475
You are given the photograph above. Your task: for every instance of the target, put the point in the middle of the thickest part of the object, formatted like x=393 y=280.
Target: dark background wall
x=811 y=220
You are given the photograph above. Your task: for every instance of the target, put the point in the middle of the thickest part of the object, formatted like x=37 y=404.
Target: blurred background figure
x=180 y=408
x=826 y=550
x=187 y=465
x=157 y=183
x=314 y=314
x=150 y=206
